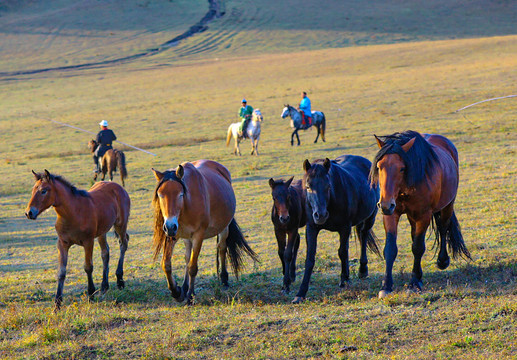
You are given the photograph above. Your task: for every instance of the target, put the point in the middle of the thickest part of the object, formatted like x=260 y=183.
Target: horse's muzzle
x=32 y=213
x=386 y=210
x=284 y=219
x=319 y=218
x=170 y=230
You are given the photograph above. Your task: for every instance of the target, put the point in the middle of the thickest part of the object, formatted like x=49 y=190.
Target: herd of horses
x=412 y=173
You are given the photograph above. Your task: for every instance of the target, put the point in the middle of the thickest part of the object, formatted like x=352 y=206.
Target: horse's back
x=111 y=201
x=354 y=164
x=443 y=143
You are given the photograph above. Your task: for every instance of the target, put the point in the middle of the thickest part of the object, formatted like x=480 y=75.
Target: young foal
x=288 y=215
x=83 y=216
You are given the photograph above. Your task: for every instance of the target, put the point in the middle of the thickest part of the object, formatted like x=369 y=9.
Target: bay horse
x=252 y=131
x=83 y=216
x=339 y=197
x=288 y=215
x=318 y=120
x=109 y=162
x=194 y=202
x=418 y=176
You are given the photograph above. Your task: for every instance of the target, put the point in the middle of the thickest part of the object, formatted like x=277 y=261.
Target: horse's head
x=316 y=181
x=281 y=198
x=286 y=111
x=257 y=115
x=43 y=195
x=92 y=145
x=169 y=198
x=389 y=170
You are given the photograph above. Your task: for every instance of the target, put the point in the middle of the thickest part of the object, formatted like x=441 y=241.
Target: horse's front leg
x=197 y=241
x=292 y=136
x=390 y=252
x=237 y=150
x=418 y=230
x=88 y=265
x=293 y=239
x=62 y=249
x=188 y=253
x=344 y=236
x=297 y=137
x=167 y=269
x=280 y=235
x=311 y=235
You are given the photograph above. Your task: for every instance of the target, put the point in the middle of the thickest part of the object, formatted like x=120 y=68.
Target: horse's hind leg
x=344 y=236
x=318 y=135
x=221 y=256
x=363 y=232
x=442 y=220
x=123 y=240
x=105 y=255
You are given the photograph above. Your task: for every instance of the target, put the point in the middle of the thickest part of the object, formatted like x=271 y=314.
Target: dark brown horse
x=417 y=176
x=288 y=215
x=338 y=197
x=109 y=162
x=195 y=202
x=83 y=216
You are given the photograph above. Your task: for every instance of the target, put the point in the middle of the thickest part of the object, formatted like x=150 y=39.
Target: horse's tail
x=371 y=243
x=237 y=247
x=229 y=136
x=121 y=162
x=323 y=125
x=454 y=239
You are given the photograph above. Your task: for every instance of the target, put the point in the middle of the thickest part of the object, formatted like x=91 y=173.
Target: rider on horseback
x=245 y=113
x=305 y=111
x=105 y=137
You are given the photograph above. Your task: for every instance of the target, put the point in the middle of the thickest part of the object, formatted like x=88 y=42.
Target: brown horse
x=109 y=162
x=288 y=215
x=83 y=216
x=196 y=202
x=418 y=176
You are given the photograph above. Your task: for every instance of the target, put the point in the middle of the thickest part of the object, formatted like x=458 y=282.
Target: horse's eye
x=43 y=191
x=160 y=195
x=402 y=170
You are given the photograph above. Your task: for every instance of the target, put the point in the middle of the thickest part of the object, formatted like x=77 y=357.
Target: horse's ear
x=180 y=172
x=408 y=145
x=158 y=175
x=271 y=183
x=47 y=175
x=306 y=165
x=326 y=164
x=379 y=141
x=288 y=182
x=36 y=175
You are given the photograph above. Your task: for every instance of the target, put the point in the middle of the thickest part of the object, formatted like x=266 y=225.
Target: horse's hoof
x=384 y=293
x=104 y=289
x=285 y=292
x=443 y=264
x=297 y=300
x=344 y=285
x=415 y=286
x=362 y=274
x=121 y=284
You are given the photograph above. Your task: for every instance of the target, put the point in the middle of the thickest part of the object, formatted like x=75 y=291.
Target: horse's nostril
x=379 y=205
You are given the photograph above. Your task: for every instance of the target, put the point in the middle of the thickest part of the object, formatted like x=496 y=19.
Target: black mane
x=68 y=184
x=420 y=160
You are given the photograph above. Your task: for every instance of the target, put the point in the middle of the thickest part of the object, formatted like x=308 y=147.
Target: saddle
x=306 y=121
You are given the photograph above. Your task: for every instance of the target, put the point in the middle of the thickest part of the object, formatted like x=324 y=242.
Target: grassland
x=179 y=105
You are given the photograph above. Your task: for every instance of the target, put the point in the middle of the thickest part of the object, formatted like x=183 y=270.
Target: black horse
x=339 y=196
x=288 y=215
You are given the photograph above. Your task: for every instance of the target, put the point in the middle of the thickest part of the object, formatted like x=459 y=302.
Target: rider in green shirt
x=245 y=113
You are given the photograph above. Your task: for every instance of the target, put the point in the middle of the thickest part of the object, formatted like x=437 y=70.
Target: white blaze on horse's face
x=171 y=203
x=285 y=112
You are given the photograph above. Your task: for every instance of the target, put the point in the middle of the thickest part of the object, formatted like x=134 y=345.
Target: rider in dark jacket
x=105 y=138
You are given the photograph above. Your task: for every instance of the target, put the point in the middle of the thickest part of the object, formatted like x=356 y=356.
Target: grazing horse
x=417 y=176
x=109 y=162
x=318 y=120
x=196 y=202
x=338 y=196
x=288 y=215
x=253 y=132
x=83 y=216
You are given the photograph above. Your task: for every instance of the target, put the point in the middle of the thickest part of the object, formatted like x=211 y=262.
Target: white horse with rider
x=252 y=132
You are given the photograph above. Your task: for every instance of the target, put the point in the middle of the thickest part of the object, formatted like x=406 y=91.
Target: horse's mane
x=75 y=191
x=159 y=237
x=420 y=160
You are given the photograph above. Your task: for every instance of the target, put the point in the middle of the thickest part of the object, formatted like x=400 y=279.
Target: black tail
x=455 y=239
x=371 y=243
x=237 y=247
x=121 y=161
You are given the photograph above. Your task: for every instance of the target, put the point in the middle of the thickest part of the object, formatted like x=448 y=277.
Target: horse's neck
x=66 y=203
x=294 y=114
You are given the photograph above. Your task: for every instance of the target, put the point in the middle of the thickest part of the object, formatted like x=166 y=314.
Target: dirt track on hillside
x=215 y=10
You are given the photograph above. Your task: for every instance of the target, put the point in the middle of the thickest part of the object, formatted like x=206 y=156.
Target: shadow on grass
x=261 y=288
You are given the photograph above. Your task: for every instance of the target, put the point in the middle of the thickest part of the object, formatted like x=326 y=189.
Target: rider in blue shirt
x=305 y=110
